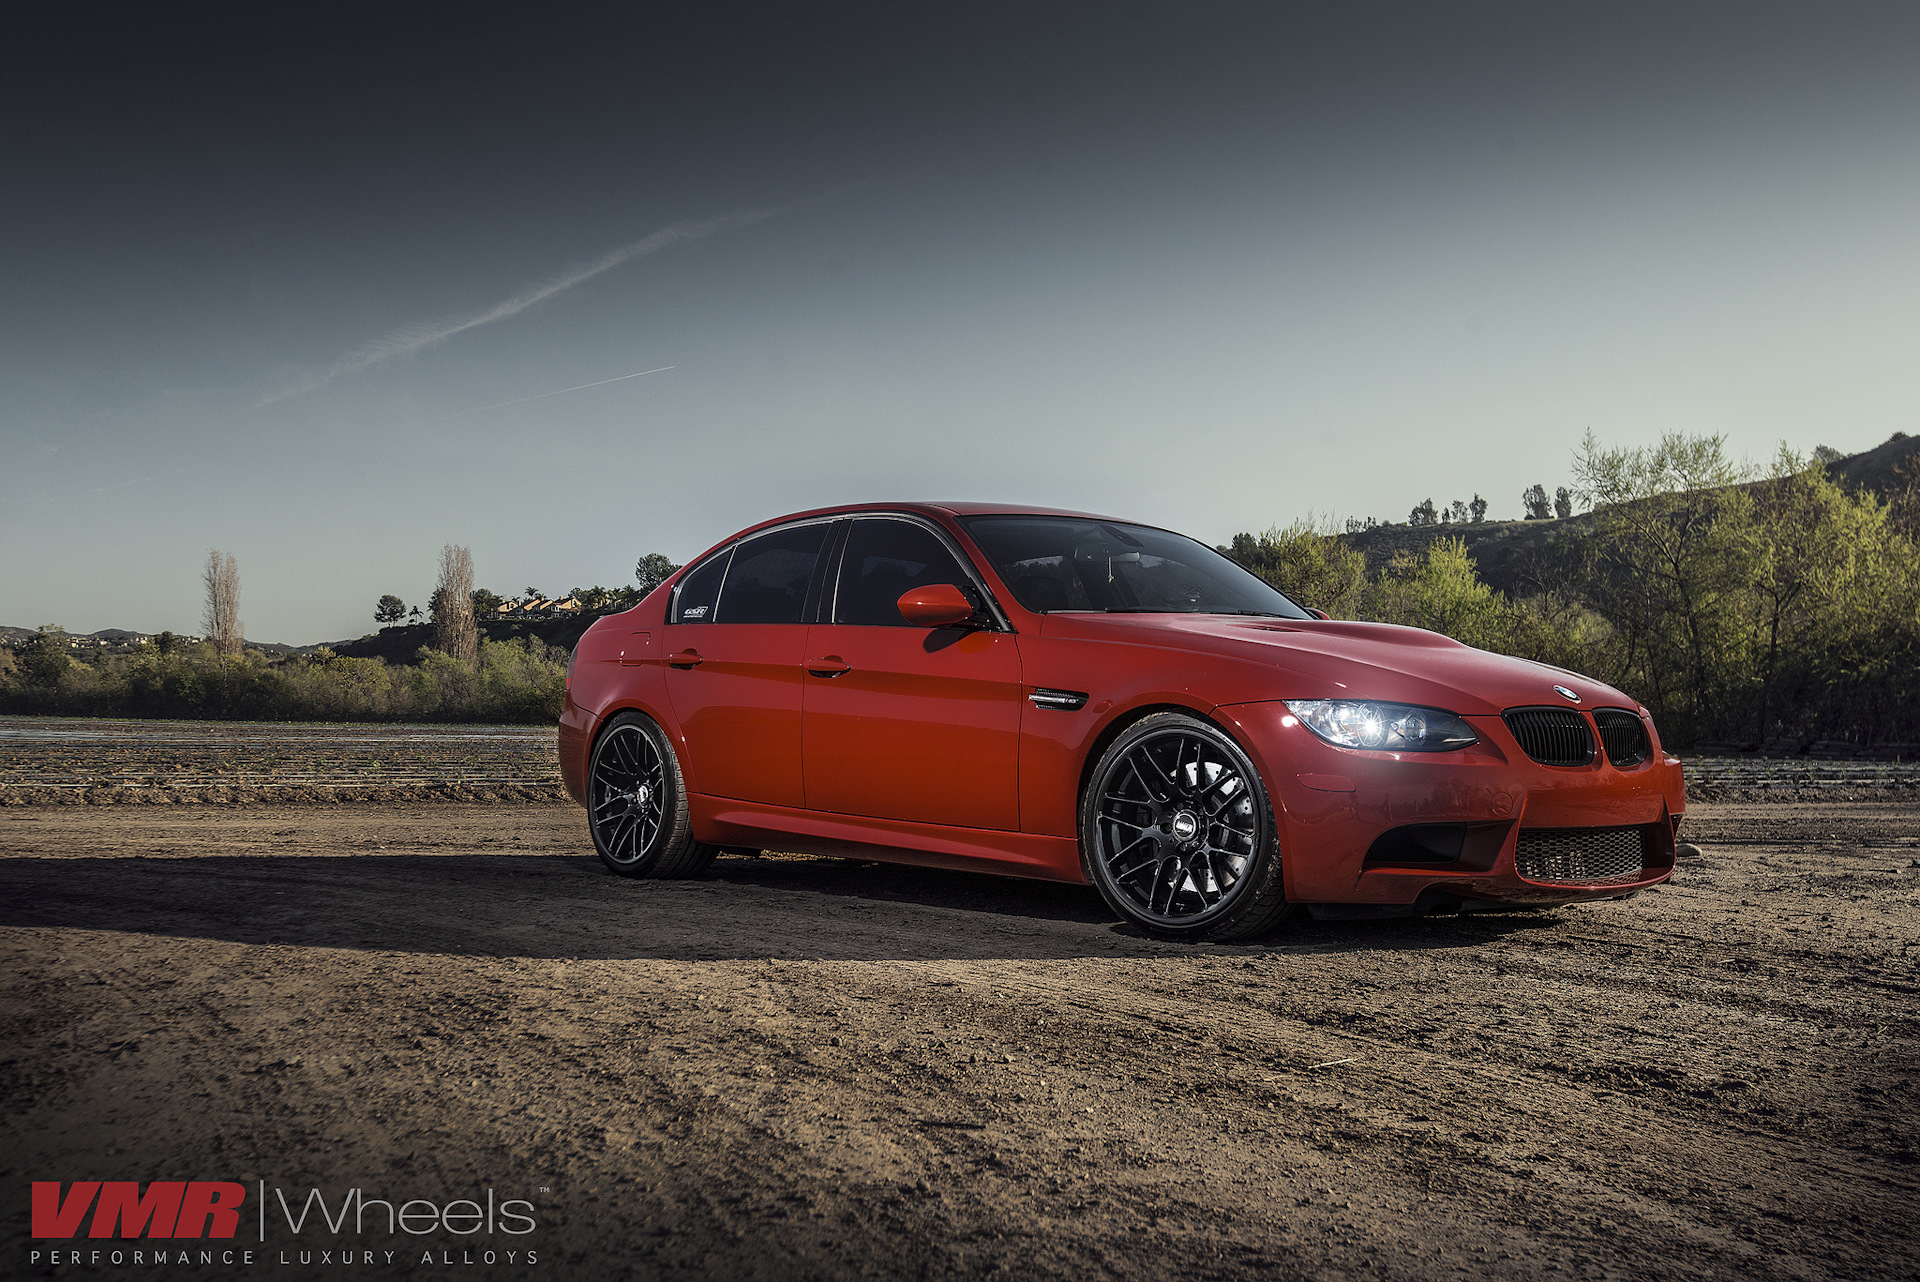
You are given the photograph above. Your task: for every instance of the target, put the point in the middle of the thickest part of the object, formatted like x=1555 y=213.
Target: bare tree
x=454 y=630
x=221 y=621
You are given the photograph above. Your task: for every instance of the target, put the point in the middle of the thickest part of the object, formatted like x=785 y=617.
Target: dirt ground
x=808 y=1068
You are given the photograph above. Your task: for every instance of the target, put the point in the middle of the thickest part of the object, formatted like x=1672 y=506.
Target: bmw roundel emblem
x=1565 y=693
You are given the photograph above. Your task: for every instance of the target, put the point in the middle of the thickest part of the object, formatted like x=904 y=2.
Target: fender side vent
x=1058 y=700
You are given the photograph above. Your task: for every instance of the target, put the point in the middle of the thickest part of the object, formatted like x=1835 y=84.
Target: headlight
x=1383 y=727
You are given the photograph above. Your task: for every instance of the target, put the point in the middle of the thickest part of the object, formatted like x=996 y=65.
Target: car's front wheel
x=637 y=803
x=1177 y=834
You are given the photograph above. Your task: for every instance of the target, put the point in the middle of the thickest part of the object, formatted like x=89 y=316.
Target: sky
x=328 y=288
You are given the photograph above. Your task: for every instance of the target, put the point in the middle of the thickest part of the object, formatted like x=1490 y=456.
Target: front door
x=906 y=722
x=733 y=647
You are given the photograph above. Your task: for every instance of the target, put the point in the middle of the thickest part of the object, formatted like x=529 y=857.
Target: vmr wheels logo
x=313 y=1226
x=168 y=1209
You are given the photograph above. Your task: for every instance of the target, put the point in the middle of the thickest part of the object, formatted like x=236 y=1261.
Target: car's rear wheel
x=1177 y=834
x=637 y=803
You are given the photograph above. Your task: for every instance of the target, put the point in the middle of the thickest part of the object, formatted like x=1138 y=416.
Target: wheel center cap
x=1186 y=826
x=642 y=795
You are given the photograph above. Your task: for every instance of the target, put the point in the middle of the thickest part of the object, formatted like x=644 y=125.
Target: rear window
x=693 y=601
x=767 y=582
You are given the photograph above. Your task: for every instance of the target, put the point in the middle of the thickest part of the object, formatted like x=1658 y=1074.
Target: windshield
x=1054 y=563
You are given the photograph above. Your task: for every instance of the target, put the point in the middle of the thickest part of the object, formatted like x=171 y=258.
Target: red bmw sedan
x=1084 y=699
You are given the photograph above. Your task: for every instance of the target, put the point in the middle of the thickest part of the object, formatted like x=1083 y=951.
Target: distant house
x=568 y=606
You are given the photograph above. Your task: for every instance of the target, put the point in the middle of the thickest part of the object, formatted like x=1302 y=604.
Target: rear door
x=906 y=722
x=733 y=644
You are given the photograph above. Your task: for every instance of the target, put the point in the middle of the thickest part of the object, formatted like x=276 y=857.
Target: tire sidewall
x=1266 y=860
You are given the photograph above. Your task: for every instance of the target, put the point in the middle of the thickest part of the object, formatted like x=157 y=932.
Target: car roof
x=928 y=507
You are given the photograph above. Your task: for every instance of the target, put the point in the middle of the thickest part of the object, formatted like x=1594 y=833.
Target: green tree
x=1308 y=564
x=1666 y=567
x=1441 y=591
x=1423 y=514
x=651 y=571
x=1823 y=567
x=486 y=604
x=389 y=609
x=1534 y=499
x=44 y=658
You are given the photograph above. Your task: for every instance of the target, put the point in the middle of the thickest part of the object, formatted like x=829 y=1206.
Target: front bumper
x=1396 y=829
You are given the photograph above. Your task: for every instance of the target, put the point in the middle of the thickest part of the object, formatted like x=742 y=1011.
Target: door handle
x=685 y=659
x=831 y=666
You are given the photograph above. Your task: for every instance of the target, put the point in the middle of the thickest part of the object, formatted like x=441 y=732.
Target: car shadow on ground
x=568 y=906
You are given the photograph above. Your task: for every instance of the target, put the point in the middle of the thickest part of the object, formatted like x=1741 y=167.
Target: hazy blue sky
x=1212 y=267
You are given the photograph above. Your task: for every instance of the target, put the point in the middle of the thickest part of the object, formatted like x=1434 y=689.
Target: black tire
x=637 y=803
x=1177 y=834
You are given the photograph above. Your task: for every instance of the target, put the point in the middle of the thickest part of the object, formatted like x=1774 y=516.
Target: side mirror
x=938 y=605
x=1318 y=614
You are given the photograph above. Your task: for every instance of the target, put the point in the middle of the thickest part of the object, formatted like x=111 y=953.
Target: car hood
x=1322 y=659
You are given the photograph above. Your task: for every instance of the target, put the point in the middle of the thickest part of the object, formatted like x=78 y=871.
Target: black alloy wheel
x=637 y=803
x=1177 y=834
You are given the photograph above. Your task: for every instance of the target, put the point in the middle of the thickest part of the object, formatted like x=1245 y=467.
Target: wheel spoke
x=1114 y=858
x=628 y=765
x=1226 y=779
x=1179 y=775
x=1145 y=776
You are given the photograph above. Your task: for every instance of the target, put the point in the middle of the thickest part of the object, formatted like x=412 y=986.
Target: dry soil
x=810 y=1068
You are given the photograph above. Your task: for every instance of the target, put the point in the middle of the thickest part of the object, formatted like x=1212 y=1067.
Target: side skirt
x=725 y=822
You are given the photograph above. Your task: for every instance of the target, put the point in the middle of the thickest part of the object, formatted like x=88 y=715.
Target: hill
x=1523 y=558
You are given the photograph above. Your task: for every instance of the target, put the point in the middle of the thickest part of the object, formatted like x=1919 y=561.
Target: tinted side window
x=884 y=559
x=768 y=580
x=693 y=603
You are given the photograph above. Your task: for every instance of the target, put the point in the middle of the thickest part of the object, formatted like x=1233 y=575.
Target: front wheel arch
x=1120 y=725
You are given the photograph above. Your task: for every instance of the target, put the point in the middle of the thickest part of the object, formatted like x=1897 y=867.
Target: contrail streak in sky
x=562 y=392
x=411 y=338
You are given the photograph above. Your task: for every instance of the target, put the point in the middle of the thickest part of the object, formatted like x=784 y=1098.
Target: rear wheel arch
x=668 y=726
